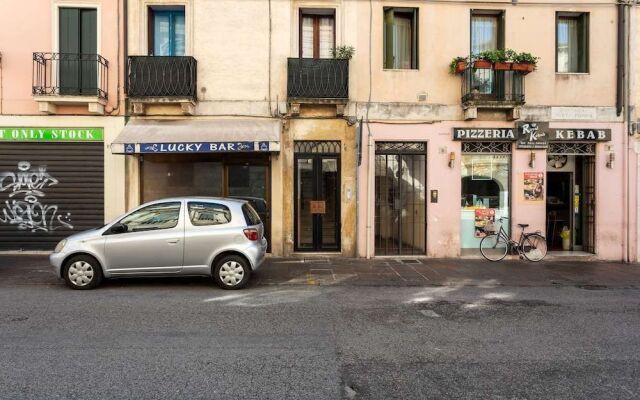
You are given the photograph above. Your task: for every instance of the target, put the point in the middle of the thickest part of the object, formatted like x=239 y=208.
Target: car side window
x=203 y=214
x=153 y=217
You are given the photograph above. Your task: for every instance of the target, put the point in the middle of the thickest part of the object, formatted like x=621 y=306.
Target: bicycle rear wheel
x=534 y=247
x=494 y=247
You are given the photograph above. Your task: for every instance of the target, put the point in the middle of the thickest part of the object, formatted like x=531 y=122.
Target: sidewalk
x=34 y=269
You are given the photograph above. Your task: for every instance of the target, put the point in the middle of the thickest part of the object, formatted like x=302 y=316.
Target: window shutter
x=414 y=39
x=388 y=61
x=69 y=43
x=88 y=47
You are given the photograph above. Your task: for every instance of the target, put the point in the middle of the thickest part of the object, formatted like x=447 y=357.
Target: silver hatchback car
x=207 y=236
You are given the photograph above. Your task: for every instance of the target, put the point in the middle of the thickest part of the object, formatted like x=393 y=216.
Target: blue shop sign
x=203 y=147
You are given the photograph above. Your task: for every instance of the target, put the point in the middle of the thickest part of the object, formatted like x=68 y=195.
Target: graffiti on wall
x=26 y=206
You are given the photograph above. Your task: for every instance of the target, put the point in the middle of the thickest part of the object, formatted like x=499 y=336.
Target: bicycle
x=495 y=246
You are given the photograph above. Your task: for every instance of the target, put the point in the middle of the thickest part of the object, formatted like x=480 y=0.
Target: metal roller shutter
x=48 y=191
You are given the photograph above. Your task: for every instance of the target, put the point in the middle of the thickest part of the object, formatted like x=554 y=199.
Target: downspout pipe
x=620 y=62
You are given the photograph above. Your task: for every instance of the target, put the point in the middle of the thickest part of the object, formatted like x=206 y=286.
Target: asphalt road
x=186 y=339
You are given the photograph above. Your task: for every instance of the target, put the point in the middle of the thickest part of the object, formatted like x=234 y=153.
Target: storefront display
x=485 y=186
x=533 y=184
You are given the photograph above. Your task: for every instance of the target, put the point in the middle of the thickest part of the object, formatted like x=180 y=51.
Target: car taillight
x=251 y=234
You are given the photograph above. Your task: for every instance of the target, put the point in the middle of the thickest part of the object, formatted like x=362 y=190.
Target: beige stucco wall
x=320 y=129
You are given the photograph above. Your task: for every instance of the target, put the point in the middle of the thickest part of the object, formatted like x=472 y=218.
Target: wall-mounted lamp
x=532 y=160
x=612 y=158
x=452 y=159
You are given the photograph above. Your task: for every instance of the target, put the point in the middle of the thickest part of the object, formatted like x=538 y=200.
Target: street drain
x=592 y=287
x=411 y=261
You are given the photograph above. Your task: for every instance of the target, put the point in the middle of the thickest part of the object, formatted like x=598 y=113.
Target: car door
x=208 y=229
x=152 y=244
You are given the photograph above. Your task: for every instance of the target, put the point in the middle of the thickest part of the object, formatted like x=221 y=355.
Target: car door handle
x=173 y=241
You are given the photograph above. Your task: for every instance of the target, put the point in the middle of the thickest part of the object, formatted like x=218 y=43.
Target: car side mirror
x=118 y=228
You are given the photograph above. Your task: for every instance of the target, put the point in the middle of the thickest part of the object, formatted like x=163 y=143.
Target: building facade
x=61 y=104
x=446 y=154
x=381 y=152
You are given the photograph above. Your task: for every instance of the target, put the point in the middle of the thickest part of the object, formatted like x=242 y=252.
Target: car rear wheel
x=232 y=272
x=82 y=272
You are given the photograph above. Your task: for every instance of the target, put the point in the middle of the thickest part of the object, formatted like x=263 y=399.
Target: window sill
x=400 y=69
x=572 y=73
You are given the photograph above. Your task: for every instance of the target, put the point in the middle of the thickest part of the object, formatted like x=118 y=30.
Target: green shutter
x=69 y=43
x=78 y=40
x=414 y=39
x=88 y=48
x=388 y=60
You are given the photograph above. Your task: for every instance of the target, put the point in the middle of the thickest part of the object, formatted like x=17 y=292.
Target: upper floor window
x=572 y=42
x=317 y=33
x=487 y=30
x=78 y=35
x=400 y=38
x=166 y=31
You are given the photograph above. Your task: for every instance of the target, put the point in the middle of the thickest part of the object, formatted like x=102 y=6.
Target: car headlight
x=60 y=246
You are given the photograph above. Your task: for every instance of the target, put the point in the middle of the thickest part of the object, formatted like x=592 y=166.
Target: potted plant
x=525 y=62
x=343 y=52
x=503 y=59
x=482 y=60
x=458 y=65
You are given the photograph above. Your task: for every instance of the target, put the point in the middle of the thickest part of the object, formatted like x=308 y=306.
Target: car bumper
x=56 y=259
x=257 y=254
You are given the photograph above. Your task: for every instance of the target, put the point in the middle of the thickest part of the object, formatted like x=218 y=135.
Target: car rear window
x=203 y=214
x=250 y=215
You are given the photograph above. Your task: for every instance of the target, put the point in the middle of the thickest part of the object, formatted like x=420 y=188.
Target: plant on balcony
x=343 y=52
x=525 y=62
x=483 y=60
x=458 y=65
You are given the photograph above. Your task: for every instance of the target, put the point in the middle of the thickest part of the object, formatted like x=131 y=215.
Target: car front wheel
x=82 y=272
x=232 y=272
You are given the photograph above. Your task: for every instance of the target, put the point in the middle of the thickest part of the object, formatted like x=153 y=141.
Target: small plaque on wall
x=317 y=206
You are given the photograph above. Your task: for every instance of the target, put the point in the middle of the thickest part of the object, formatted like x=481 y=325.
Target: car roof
x=199 y=198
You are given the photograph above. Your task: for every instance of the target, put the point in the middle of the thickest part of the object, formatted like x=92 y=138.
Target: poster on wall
x=485 y=222
x=534 y=186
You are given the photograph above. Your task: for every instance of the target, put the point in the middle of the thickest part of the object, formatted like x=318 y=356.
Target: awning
x=198 y=136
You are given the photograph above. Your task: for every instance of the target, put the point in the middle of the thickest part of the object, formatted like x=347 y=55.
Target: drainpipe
x=627 y=111
x=620 y=62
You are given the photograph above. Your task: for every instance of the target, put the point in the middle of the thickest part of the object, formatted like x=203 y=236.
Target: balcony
x=318 y=81
x=69 y=79
x=493 y=90
x=162 y=80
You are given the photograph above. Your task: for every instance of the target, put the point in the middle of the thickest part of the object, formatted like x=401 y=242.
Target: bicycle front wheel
x=534 y=247
x=494 y=247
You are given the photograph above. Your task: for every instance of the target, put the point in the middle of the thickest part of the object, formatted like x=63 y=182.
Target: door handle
x=173 y=241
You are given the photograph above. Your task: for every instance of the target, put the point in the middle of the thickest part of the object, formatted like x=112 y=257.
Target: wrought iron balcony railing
x=162 y=76
x=69 y=74
x=488 y=86
x=309 y=78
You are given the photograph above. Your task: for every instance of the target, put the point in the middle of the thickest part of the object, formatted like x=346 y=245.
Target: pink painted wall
x=443 y=218
x=30 y=29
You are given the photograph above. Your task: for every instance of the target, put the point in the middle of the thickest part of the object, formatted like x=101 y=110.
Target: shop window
x=204 y=214
x=572 y=42
x=153 y=217
x=485 y=194
x=166 y=31
x=317 y=33
x=400 y=38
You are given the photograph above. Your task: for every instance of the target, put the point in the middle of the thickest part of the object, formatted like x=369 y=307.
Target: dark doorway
x=317 y=202
x=559 y=208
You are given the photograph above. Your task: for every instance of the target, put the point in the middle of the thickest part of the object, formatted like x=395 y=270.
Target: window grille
x=319 y=146
x=572 y=148
x=400 y=147
x=486 y=147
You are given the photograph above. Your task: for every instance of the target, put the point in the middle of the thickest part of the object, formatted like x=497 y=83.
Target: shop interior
x=570 y=196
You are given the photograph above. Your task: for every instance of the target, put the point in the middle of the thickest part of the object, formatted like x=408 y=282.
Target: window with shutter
x=317 y=33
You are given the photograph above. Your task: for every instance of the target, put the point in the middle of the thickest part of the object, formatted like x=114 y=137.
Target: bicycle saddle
x=523 y=225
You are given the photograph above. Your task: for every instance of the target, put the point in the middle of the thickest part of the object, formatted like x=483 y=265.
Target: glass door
x=317 y=202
